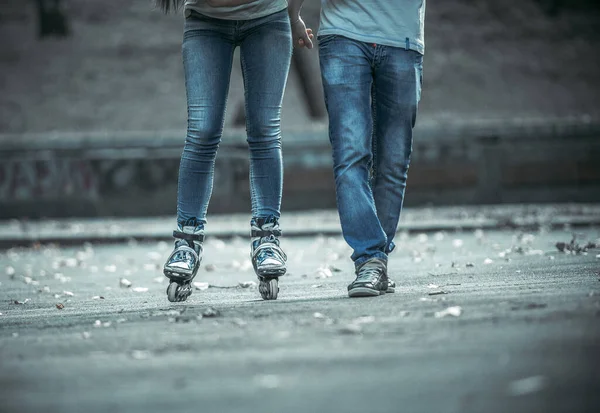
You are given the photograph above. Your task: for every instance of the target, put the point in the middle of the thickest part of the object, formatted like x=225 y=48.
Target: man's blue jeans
x=265 y=50
x=371 y=93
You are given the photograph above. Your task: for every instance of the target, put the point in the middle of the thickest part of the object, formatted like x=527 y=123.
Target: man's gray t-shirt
x=254 y=10
x=398 y=23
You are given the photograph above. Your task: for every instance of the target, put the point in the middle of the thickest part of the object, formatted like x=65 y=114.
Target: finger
x=300 y=42
x=308 y=42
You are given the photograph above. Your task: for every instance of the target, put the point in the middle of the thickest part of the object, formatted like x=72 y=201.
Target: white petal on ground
x=364 y=320
x=153 y=255
x=9 y=270
x=86 y=334
x=527 y=385
x=455 y=311
x=110 y=268
x=433 y=286
x=68 y=293
x=140 y=289
x=323 y=272
x=439 y=236
x=160 y=279
x=247 y=284
x=71 y=262
x=201 y=286
x=267 y=381
x=125 y=283
x=422 y=238
x=319 y=315
x=210 y=267
x=457 y=243
x=140 y=354
x=478 y=233
x=488 y=261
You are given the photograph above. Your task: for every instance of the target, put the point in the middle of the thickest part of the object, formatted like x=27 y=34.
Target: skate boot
x=267 y=256
x=184 y=261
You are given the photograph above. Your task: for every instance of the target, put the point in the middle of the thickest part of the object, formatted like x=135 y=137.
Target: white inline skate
x=184 y=262
x=268 y=259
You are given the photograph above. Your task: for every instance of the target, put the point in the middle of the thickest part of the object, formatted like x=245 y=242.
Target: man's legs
x=396 y=93
x=346 y=68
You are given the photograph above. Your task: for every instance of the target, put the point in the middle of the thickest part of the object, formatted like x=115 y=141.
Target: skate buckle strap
x=271 y=248
x=265 y=233
x=188 y=237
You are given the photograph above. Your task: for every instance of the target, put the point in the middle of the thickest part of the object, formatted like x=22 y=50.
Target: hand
x=227 y=3
x=301 y=36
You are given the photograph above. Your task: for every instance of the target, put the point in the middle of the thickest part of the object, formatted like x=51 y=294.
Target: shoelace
x=270 y=250
x=369 y=270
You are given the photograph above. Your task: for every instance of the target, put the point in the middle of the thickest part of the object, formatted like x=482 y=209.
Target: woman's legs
x=208 y=47
x=265 y=49
x=207 y=57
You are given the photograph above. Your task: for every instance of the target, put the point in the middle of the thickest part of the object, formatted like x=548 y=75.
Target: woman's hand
x=301 y=35
x=228 y=3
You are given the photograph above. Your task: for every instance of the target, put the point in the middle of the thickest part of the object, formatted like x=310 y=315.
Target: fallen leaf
x=60 y=306
x=247 y=284
x=469 y=265
x=438 y=292
x=211 y=312
x=351 y=329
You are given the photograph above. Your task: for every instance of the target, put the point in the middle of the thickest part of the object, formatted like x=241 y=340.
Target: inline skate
x=268 y=259
x=184 y=262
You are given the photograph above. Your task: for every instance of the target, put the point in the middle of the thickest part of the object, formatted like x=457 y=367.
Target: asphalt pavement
x=482 y=321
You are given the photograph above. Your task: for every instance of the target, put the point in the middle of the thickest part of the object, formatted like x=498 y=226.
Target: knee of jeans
x=203 y=135
x=264 y=137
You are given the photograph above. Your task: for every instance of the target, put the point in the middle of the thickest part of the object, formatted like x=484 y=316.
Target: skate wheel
x=172 y=292
x=269 y=289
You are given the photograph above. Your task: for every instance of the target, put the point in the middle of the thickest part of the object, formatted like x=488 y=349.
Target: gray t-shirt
x=254 y=10
x=398 y=23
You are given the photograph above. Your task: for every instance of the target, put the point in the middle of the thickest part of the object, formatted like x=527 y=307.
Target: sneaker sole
x=364 y=292
x=390 y=290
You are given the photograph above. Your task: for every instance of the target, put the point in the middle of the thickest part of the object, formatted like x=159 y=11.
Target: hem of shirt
x=412 y=44
x=264 y=13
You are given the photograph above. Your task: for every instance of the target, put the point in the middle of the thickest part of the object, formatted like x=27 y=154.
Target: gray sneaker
x=371 y=279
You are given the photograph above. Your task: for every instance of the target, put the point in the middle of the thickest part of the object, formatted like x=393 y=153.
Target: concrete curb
x=307 y=223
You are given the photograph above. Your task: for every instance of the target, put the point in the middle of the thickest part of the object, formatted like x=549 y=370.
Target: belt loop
x=407 y=46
